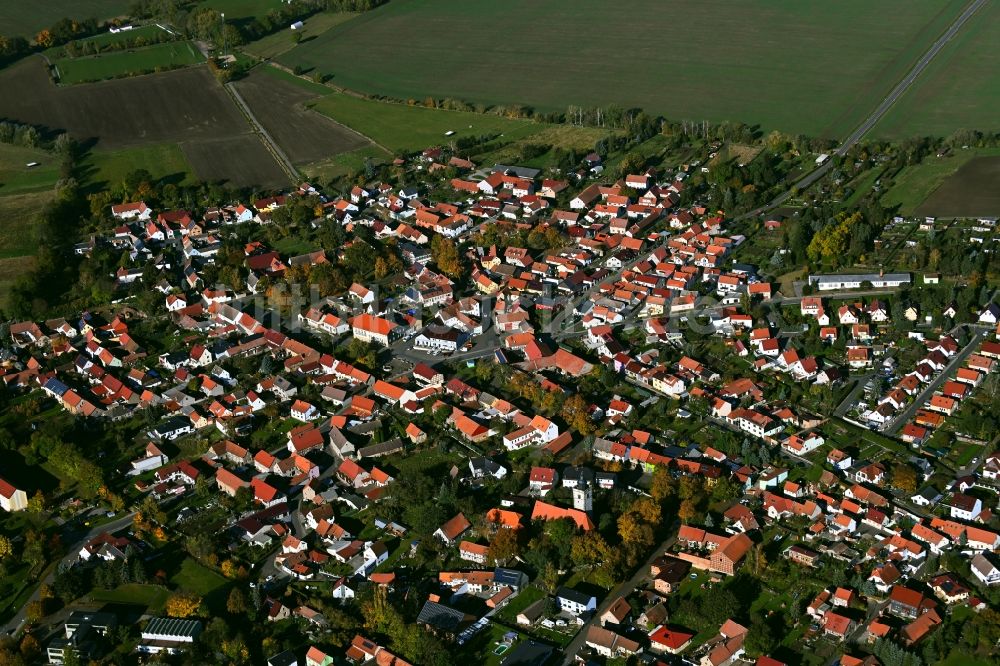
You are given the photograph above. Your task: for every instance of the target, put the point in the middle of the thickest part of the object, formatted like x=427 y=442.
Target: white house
x=965 y=507
x=985 y=569
x=303 y=411
x=11 y=498
x=575 y=603
x=990 y=314
x=546 y=430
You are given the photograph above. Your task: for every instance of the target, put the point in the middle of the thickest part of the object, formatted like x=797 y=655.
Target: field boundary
x=332 y=89
x=269 y=143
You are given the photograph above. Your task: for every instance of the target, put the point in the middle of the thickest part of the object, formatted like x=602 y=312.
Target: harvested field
x=973 y=191
x=303 y=134
x=238 y=160
x=186 y=107
x=811 y=67
x=183 y=105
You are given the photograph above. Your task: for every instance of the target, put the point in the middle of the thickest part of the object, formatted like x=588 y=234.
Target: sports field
x=25 y=18
x=118 y=64
x=959 y=90
x=813 y=67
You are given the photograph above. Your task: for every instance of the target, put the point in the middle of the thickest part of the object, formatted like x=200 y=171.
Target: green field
x=127 y=63
x=195 y=578
x=103 y=168
x=279 y=42
x=15 y=175
x=958 y=90
x=19 y=17
x=17 y=212
x=18 y=239
x=104 y=39
x=153 y=597
x=398 y=127
x=810 y=67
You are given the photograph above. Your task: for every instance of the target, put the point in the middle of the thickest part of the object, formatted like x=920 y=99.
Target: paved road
x=16 y=622
x=906 y=415
x=879 y=111
x=624 y=589
x=909 y=79
x=852 y=397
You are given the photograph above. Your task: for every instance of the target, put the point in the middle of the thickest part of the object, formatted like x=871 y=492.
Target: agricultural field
x=912 y=186
x=240 y=160
x=802 y=67
x=973 y=191
x=26 y=18
x=305 y=136
x=187 y=109
x=958 y=90
x=158 y=57
x=187 y=104
x=402 y=128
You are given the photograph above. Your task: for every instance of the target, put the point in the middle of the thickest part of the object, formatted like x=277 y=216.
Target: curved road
x=879 y=111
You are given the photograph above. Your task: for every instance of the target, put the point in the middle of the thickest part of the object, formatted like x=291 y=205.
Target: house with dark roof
x=575 y=602
x=443 y=619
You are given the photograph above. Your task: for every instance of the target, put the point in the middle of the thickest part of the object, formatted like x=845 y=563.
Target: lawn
x=811 y=67
x=915 y=183
x=403 y=128
x=158 y=57
x=153 y=597
x=525 y=598
x=166 y=161
x=958 y=90
x=26 y=18
x=280 y=42
x=195 y=578
x=17 y=177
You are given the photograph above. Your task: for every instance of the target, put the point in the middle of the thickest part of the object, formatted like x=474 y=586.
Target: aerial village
x=539 y=419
